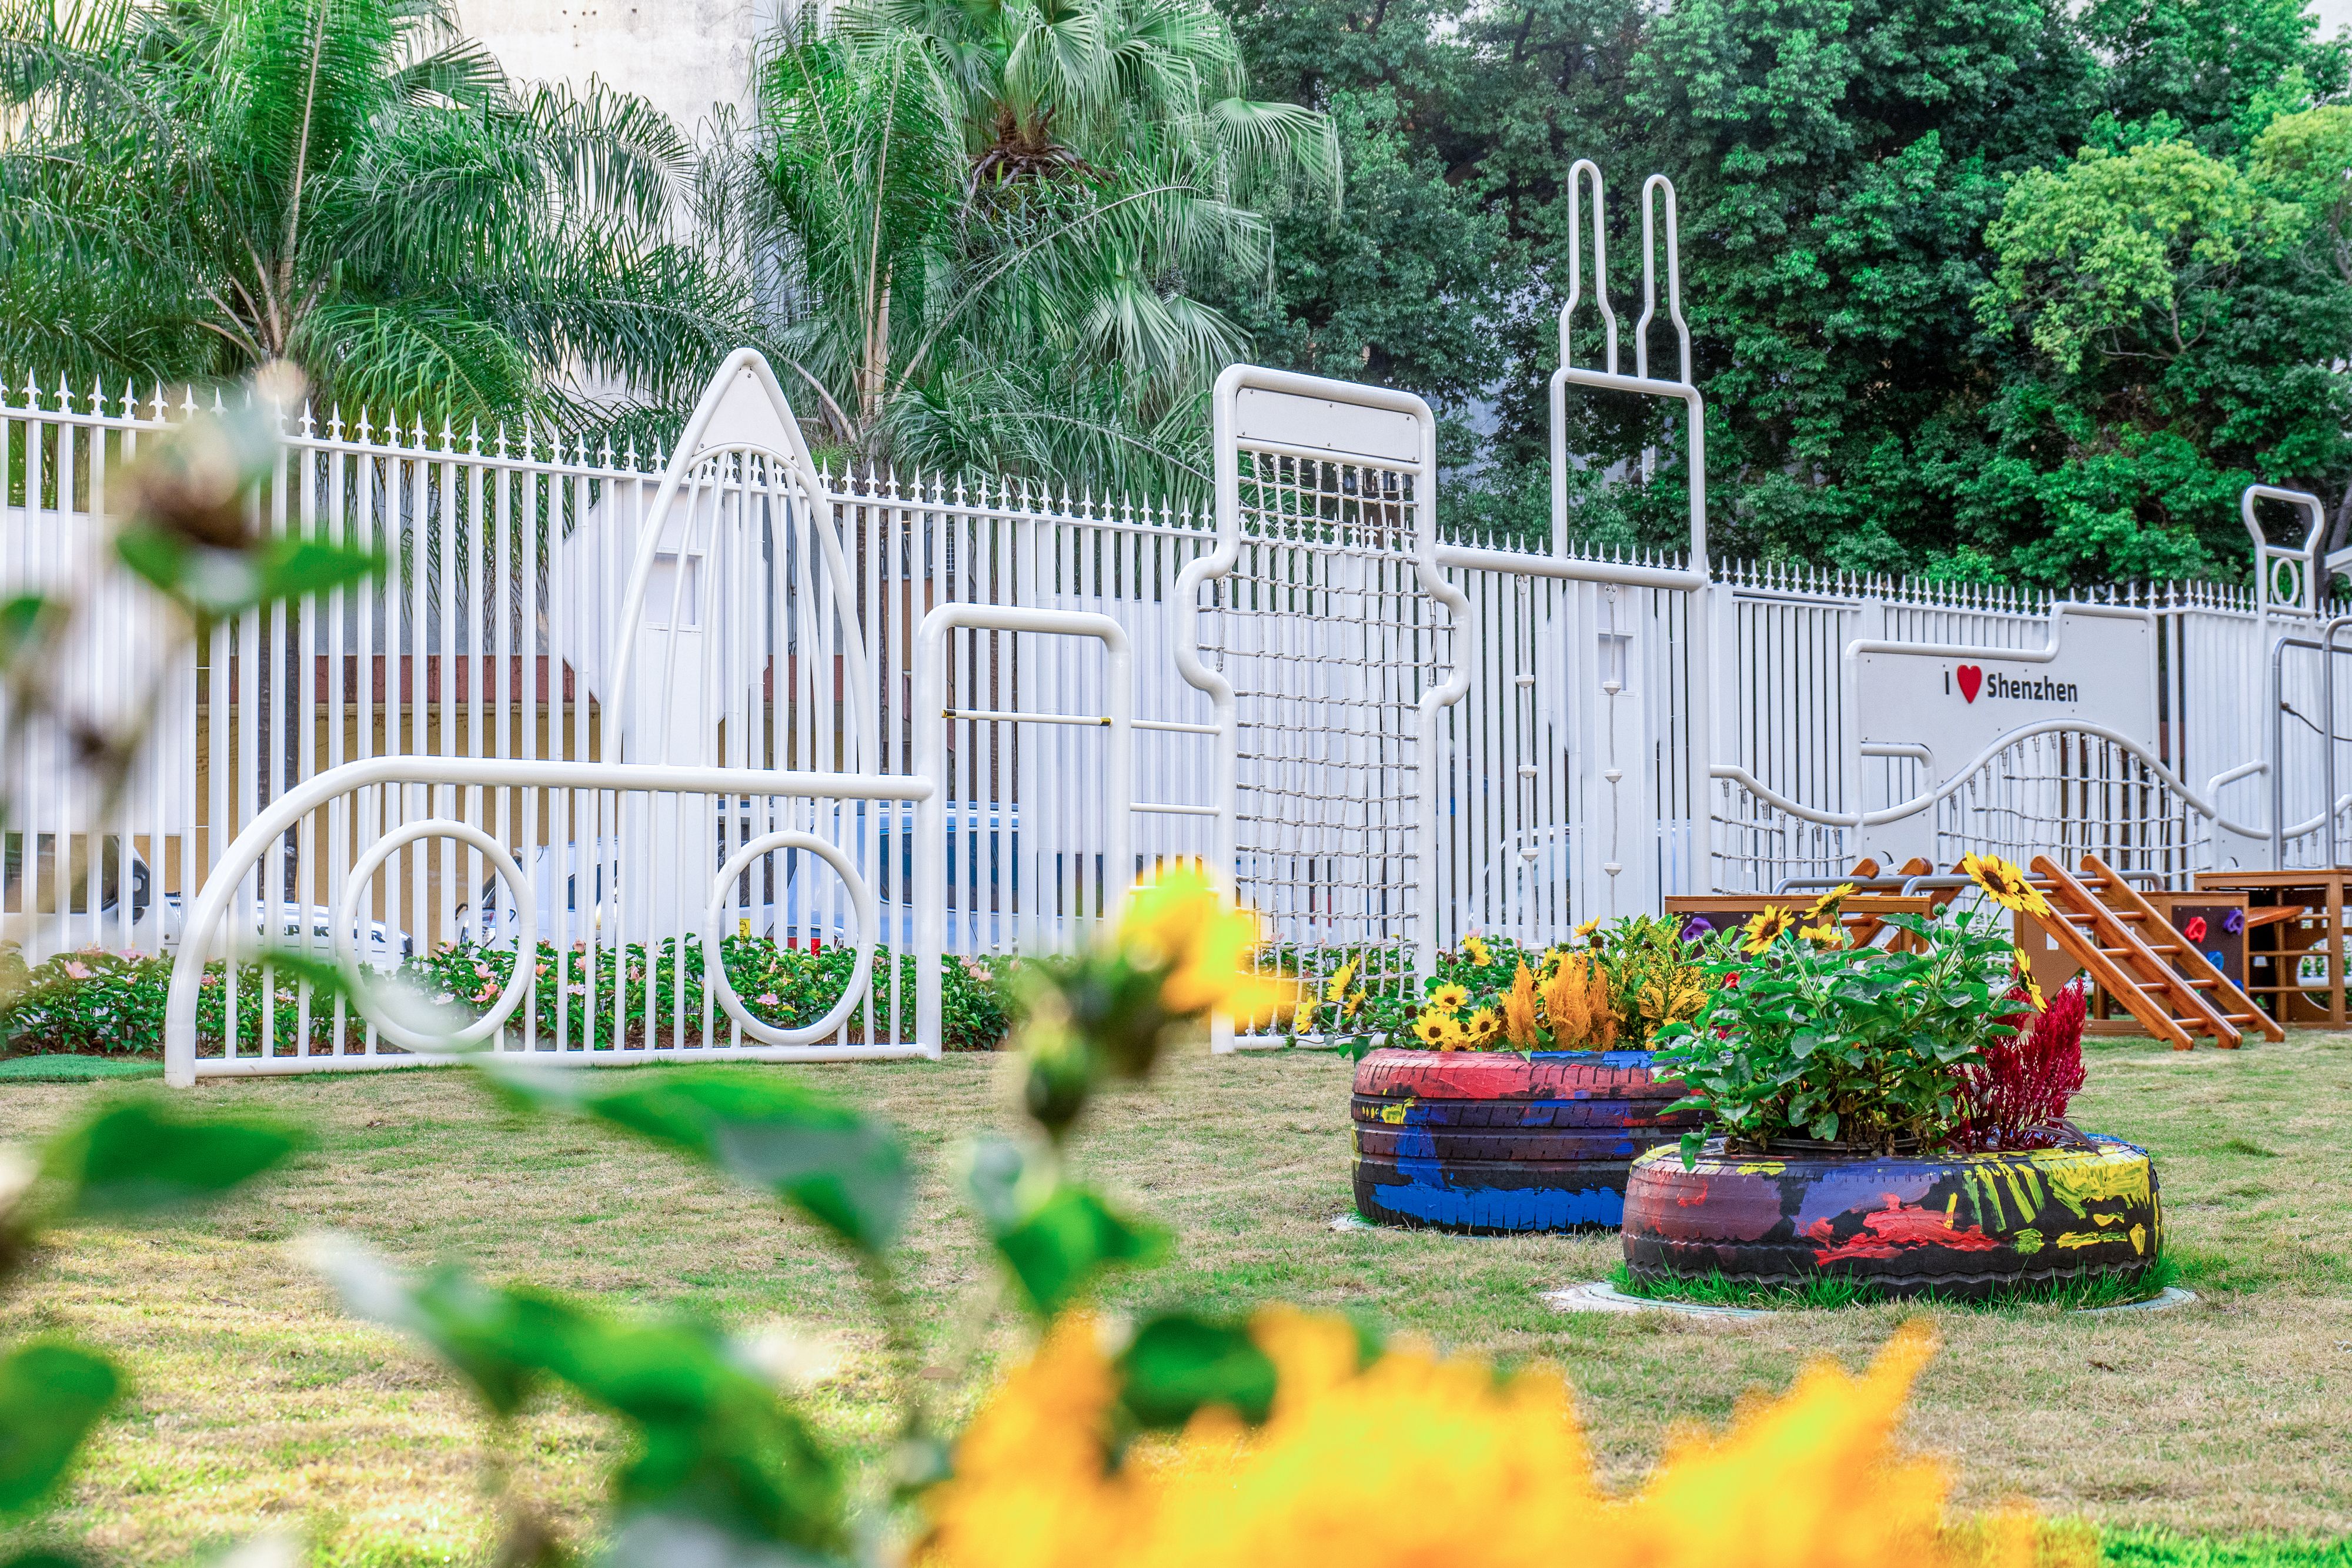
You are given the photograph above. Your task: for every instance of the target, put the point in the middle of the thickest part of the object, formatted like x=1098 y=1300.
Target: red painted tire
x=1953 y=1225
x=1488 y=1142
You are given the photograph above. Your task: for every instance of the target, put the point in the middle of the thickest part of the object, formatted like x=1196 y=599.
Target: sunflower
x=1828 y=934
x=1449 y=1034
x=1588 y=930
x=1827 y=904
x=1482 y=1026
x=1449 y=998
x=1474 y=949
x=1768 y=926
x=2025 y=981
x=2004 y=884
x=1429 y=1029
x=1338 y=989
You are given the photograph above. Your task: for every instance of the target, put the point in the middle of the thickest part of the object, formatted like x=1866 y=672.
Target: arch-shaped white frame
x=694 y=449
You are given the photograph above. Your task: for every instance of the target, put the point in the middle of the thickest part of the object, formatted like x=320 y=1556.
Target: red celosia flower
x=2017 y=1096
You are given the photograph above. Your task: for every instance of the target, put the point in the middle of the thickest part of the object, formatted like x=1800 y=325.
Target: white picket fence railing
x=1618 y=731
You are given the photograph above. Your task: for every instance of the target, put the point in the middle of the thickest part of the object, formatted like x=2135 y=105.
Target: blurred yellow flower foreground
x=1419 y=1461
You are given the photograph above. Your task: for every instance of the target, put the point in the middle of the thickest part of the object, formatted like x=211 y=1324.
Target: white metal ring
x=861 y=904
x=347 y=920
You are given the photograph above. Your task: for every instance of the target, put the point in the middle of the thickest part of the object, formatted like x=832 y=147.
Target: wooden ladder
x=2133 y=970
x=2233 y=1005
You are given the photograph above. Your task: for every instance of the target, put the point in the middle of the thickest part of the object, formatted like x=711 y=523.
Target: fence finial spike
x=309 y=426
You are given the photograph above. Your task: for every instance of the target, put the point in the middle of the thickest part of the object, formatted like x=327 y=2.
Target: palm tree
x=195 y=187
x=975 y=260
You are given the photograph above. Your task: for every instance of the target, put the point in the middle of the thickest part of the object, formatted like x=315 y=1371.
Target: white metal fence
x=1618 y=731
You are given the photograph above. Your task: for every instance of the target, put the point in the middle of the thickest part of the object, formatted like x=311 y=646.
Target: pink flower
x=77 y=971
x=540 y=970
x=768 y=999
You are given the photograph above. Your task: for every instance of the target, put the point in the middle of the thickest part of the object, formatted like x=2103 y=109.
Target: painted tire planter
x=1958 y=1225
x=1483 y=1141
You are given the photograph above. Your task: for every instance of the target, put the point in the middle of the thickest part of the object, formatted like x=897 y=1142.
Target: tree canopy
x=1999 y=288
x=189 y=188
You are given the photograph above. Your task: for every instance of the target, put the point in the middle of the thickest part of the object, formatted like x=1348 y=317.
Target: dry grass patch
x=257 y=1404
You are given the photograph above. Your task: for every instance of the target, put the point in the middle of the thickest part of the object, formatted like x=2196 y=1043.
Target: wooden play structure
x=2179 y=966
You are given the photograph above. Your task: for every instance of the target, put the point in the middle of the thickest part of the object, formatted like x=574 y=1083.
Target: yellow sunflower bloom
x=2025 y=980
x=1474 y=949
x=1182 y=923
x=1449 y=997
x=1768 y=925
x=1589 y=929
x=1497 y=1470
x=1830 y=932
x=1429 y=1029
x=2004 y=884
x=1827 y=902
x=1338 y=989
x=1482 y=1026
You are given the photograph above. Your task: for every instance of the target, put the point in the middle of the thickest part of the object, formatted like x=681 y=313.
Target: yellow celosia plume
x=1419 y=1462
x=1519 y=1008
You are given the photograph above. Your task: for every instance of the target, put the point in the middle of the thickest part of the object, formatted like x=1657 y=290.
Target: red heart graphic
x=1971 y=679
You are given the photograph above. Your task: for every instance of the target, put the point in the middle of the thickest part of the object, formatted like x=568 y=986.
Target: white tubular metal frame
x=480 y=781
x=1317 y=643
x=932 y=716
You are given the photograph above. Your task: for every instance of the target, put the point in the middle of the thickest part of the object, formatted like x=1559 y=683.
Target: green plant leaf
x=478 y=1330
x=1054 y=1236
x=715 y=1442
x=51 y=1395
x=142 y=1154
x=292 y=566
x=1178 y=1363
x=846 y=1171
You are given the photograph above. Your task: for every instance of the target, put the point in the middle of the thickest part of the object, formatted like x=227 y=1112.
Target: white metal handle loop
x=362 y=875
x=861 y=904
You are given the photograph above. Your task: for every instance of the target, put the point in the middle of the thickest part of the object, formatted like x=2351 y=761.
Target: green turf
x=78 y=1069
x=2164 y=1549
x=1829 y=1292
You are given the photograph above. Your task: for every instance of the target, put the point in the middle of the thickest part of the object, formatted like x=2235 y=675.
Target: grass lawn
x=256 y=1404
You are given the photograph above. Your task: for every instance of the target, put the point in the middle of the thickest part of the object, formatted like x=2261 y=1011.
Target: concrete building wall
x=684 y=54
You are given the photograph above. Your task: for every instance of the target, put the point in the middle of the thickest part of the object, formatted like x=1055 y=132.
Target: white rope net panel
x=1328 y=640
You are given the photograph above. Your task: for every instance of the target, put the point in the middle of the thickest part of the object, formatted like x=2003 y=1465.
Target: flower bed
x=1893 y=1115
x=1522 y=1088
x=99 y=1002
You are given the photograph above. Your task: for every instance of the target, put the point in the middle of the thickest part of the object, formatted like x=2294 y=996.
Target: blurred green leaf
x=846 y=1171
x=213 y=582
x=1054 y=1236
x=140 y=1154
x=292 y=566
x=39 y=1558
x=1178 y=1363
x=716 y=1442
x=480 y=1332
x=20 y=623
x=50 y=1396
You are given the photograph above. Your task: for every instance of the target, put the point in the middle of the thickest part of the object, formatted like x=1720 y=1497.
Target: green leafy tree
x=983 y=228
x=191 y=188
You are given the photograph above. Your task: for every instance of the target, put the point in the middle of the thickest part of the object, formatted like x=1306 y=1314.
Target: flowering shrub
x=1616 y=990
x=1869 y=1048
x=99 y=1002
x=2017 y=1095
x=784 y=987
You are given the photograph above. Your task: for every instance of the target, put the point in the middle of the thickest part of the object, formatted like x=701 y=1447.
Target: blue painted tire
x=1493 y=1142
